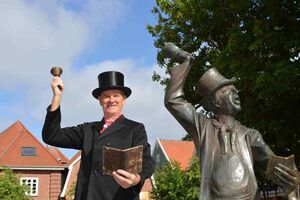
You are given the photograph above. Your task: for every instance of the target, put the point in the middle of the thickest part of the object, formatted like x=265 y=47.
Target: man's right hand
x=57 y=86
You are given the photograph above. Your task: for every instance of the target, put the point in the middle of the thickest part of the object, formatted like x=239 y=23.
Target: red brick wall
x=55 y=185
x=49 y=185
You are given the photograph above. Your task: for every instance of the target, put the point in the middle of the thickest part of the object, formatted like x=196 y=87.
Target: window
x=32 y=183
x=28 y=151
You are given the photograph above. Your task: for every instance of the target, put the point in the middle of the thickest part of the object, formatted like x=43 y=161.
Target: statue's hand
x=289 y=178
x=170 y=50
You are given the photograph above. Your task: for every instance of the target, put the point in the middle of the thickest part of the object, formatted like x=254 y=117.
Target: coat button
x=108 y=144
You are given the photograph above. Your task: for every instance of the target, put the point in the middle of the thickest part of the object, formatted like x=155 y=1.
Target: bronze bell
x=56 y=71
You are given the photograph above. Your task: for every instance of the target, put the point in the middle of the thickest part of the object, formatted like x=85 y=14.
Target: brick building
x=42 y=168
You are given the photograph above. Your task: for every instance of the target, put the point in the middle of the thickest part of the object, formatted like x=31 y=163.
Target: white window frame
x=30 y=182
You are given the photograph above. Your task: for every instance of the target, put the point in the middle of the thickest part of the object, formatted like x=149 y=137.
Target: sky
x=85 y=38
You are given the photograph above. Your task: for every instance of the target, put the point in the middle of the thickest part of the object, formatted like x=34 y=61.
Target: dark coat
x=92 y=184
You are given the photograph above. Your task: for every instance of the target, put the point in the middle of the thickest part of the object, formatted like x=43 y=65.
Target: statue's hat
x=211 y=81
x=111 y=80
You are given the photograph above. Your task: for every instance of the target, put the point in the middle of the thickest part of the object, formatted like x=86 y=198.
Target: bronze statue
x=227 y=149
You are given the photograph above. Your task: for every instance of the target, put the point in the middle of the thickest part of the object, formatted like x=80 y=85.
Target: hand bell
x=56 y=71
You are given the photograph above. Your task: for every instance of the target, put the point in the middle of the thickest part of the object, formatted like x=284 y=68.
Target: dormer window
x=28 y=151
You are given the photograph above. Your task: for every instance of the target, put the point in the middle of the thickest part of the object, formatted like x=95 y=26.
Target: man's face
x=227 y=100
x=112 y=102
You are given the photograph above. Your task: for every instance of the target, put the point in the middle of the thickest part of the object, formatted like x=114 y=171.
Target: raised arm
x=52 y=133
x=175 y=102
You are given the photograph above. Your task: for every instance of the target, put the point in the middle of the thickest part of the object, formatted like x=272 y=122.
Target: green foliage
x=71 y=191
x=173 y=183
x=257 y=41
x=10 y=187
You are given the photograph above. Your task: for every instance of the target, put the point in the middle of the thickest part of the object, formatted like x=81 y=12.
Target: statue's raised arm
x=175 y=102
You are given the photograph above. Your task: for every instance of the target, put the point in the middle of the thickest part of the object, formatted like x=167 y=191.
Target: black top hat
x=211 y=81
x=111 y=80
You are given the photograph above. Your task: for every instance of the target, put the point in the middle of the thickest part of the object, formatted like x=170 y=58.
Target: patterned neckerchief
x=109 y=122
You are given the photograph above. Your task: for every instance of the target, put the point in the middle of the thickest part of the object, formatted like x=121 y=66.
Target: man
x=227 y=149
x=113 y=130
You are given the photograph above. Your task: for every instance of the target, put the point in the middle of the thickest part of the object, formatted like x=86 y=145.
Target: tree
x=10 y=187
x=173 y=183
x=257 y=41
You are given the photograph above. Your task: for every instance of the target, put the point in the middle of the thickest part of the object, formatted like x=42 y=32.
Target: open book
x=129 y=159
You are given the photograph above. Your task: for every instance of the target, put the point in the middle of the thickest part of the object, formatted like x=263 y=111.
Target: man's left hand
x=126 y=179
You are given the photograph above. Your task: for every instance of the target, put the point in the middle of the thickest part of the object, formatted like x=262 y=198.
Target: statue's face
x=227 y=100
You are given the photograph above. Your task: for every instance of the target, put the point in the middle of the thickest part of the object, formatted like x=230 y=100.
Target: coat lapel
x=98 y=126
x=112 y=129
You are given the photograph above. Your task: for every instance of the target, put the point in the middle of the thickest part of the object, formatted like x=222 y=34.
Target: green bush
x=171 y=183
x=10 y=188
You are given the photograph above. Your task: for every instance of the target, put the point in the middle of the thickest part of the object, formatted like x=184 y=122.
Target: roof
x=14 y=139
x=57 y=154
x=74 y=158
x=178 y=150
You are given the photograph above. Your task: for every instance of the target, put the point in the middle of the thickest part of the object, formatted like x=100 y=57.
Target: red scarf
x=109 y=122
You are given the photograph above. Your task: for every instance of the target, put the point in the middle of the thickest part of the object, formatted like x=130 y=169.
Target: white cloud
x=40 y=34
x=31 y=41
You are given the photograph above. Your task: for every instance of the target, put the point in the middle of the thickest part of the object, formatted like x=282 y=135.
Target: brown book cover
x=129 y=159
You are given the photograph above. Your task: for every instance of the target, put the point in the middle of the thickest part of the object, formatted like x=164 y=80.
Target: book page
x=133 y=160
